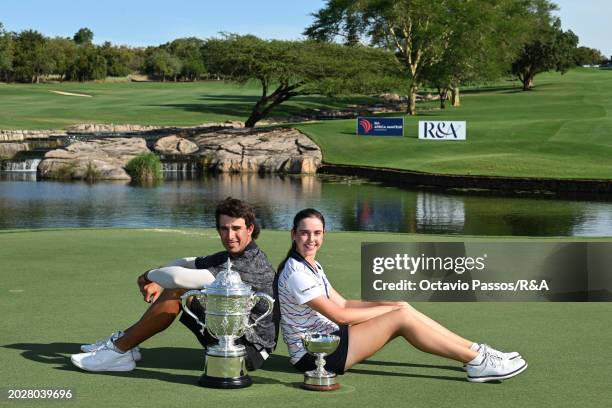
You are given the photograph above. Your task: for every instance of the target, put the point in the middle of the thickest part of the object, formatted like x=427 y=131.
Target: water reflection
x=348 y=203
x=444 y=213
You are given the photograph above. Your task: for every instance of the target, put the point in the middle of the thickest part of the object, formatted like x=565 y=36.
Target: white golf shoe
x=494 y=368
x=104 y=358
x=87 y=348
x=482 y=347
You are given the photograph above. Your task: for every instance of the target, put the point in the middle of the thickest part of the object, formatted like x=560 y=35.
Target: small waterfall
x=30 y=165
x=182 y=167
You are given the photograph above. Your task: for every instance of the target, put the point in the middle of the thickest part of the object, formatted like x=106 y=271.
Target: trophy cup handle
x=187 y=295
x=256 y=297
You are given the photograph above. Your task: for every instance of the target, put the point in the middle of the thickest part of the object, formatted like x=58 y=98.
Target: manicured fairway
x=60 y=288
x=561 y=129
x=24 y=106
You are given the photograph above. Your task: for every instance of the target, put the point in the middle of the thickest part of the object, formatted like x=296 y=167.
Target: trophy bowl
x=317 y=343
x=228 y=316
x=320 y=345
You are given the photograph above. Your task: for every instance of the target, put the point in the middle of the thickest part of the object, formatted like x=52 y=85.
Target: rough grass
x=60 y=288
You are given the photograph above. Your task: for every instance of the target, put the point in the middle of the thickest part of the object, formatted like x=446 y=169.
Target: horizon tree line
x=444 y=41
x=352 y=47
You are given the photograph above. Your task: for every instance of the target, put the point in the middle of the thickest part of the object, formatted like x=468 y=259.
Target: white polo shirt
x=298 y=284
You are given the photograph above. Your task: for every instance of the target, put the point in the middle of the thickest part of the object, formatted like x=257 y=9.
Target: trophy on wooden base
x=320 y=345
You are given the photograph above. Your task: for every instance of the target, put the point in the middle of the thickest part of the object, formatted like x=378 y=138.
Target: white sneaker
x=104 y=358
x=88 y=348
x=486 y=348
x=495 y=368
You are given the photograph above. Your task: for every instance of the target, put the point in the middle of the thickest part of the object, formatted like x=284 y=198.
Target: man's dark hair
x=232 y=207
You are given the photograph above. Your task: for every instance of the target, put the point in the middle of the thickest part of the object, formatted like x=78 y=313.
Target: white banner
x=442 y=130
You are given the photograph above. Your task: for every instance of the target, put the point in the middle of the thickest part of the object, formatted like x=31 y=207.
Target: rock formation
x=263 y=151
x=9 y=150
x=221 y=147
x=102 y=159
x=175 y=145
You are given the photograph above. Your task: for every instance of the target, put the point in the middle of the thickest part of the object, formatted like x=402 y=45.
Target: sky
x=141 y=23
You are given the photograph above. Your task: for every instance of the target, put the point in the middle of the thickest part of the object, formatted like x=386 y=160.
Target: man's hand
x=150 y=290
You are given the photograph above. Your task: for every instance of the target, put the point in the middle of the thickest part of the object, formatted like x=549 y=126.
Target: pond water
x=348 y=204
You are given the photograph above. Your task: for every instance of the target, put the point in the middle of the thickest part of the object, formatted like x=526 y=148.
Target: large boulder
x=103 y=159
x=10 y=150
x=262 y=151
x=175 y=145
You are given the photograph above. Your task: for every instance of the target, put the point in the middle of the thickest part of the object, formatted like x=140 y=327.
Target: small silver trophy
x=320 y=345
x=228 y=302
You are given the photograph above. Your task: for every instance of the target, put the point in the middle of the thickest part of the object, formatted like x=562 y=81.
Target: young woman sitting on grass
x=309 y=304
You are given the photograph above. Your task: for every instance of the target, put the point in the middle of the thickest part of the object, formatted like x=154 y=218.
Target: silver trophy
x=228 y=302
x=320 y=345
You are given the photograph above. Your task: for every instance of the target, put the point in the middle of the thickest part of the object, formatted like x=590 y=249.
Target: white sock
x=477 y=360
x=475 y=347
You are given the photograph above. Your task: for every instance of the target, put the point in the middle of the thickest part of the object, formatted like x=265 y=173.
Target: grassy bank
x=64 y=287
x=561 y=129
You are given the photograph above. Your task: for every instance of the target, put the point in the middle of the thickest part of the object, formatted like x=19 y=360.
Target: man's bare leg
x=158 y=317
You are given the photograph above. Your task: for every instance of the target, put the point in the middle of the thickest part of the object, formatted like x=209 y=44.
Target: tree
x=137 y=59
x=486 y=38
x=415 y=30
x=83 y=37
x=117 y=59
x=189 y=52
x=286 y=69
x=31 y=58
x=588 y=56
x=161 y=63
x=6 y=54
x=420 y=32
x=548 y=48
x=88 y=64
x=61 y=52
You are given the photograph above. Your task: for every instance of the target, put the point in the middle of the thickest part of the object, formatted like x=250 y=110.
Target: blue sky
x=138 y=22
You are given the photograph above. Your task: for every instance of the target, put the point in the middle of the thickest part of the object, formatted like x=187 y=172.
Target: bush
x=92 y=174
x=145 y=168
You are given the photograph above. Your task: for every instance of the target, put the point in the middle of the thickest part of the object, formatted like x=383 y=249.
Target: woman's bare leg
x=439 y=328
x=368 y=337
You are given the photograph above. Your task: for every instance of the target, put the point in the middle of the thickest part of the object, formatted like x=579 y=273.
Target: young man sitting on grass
x=235 y=222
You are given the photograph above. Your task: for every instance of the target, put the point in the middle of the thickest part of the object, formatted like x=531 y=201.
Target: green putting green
x=61 y=288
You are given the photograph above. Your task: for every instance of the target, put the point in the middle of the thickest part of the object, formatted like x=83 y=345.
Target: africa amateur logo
x=366 y=125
